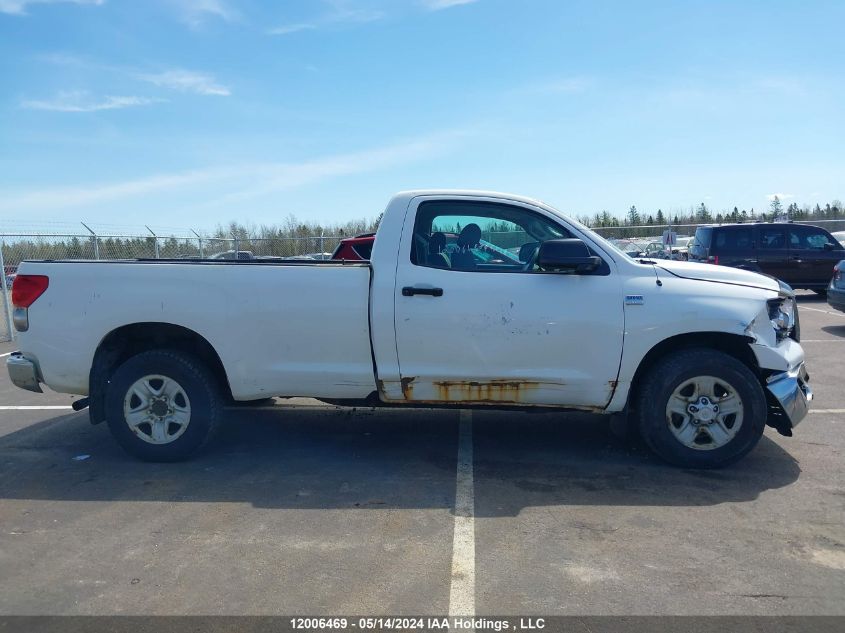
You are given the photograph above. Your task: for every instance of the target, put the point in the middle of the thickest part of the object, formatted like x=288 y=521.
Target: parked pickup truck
x=702 y=357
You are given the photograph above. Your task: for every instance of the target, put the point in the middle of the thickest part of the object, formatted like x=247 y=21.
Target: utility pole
x=155 y=241
x=93 y=241
x=199 y=239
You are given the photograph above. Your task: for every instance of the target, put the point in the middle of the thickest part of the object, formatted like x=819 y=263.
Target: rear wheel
x=701 y=408
x=162 y=405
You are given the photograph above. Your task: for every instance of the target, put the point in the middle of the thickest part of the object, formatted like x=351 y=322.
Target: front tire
x=701 y=408
x=162 y=405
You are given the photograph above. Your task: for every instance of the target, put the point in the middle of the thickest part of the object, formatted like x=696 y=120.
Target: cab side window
x=479 y=236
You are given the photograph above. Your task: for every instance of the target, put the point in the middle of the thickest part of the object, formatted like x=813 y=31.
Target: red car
x=356 y=248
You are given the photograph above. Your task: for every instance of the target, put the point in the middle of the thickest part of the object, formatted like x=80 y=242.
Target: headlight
x=782 y=316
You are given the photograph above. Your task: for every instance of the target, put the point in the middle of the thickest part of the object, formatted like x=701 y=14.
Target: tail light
x=837 y=273
x=27 y=288
x=713 y=259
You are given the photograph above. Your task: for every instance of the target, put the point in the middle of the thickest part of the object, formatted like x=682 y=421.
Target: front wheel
x=701 y=408
x=162 y=405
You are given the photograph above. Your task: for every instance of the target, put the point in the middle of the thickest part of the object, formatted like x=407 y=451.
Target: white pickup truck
x=470 y=299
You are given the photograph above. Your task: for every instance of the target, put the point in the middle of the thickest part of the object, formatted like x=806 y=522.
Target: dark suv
x=802 y=256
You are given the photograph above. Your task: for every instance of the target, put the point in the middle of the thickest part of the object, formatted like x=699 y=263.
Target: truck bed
x=280 y=327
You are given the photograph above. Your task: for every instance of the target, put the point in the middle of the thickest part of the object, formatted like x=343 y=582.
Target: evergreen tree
x=702 y=215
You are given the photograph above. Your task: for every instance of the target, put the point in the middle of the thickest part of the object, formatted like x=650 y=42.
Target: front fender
x=676 y=307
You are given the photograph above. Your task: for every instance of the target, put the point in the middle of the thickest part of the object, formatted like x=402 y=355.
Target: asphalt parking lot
x=317 y=510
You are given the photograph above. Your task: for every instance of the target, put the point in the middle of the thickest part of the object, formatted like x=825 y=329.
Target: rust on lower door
x=408 y=387
x=487 y=391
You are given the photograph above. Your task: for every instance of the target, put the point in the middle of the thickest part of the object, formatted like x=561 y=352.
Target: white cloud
x=437 y=5
x=287 y=29
x=242 y=181
x=82 y=102
x=175 y=79
x=18 y=7
x=187 y=81
x=195 y=12
x=779 y=196
x=342 y=12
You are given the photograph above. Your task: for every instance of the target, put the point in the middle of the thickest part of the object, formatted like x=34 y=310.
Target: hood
x=718 y=274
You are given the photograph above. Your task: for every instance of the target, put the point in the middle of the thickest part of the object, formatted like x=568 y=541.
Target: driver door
x=495 y=329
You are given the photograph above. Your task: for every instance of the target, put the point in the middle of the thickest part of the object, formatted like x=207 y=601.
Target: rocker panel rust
x=504 y=390
x=491 y=392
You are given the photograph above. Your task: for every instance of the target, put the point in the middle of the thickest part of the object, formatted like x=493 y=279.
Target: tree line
x=641 y=224
x=296 y=237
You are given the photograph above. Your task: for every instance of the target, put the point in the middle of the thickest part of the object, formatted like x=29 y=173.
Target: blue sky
x=190 y=113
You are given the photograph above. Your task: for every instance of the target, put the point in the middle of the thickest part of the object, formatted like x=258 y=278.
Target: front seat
x=469 y=238
x=437 y=257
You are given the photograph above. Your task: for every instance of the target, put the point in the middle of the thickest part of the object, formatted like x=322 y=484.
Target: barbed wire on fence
x=21 y=247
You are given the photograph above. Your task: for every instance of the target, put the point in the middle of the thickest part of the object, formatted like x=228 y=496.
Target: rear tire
x=162 y=405
x=701 y=408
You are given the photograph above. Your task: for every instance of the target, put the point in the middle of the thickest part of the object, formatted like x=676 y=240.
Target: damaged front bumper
x=786 y=383
x=792 y=392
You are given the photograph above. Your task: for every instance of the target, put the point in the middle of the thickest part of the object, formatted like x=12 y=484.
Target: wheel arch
x=127 y=340
x=735 y=345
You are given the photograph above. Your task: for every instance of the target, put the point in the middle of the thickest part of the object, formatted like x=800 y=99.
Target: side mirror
x=828 y=246
x=570 y=255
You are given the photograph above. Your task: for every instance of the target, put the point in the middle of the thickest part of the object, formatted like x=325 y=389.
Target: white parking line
x=6 y=354
x=35 y=408
x=827 y=410
x=842 y=314
x=462 y=590
x=823 y=340
x=266 y=408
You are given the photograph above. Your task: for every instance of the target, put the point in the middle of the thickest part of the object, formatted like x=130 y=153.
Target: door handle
x=410 y=291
